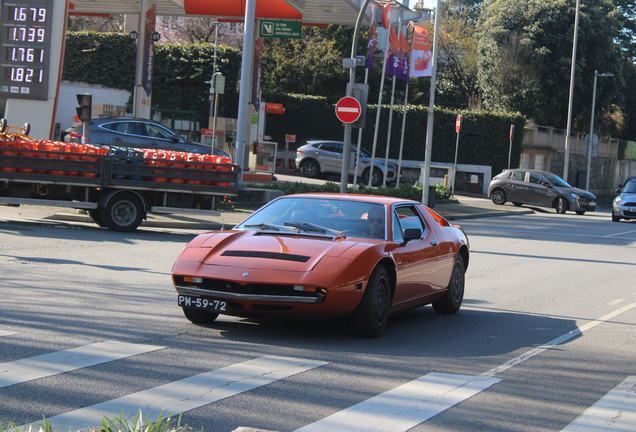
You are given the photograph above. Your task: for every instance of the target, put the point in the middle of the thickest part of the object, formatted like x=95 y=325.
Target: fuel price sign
x=25 y=40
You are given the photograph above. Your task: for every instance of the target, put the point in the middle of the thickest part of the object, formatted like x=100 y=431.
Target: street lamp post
x=591 y=135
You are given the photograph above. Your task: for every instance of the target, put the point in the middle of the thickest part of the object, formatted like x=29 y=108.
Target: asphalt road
x=545 y=333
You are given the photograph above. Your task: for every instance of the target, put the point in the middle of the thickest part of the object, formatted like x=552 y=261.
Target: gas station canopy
x=309 y=12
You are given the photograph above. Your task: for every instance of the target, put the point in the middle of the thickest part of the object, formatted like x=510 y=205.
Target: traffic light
x=84 y=110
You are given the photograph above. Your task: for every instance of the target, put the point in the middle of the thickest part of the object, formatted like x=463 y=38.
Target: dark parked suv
x=539 y=188
x=136 y=133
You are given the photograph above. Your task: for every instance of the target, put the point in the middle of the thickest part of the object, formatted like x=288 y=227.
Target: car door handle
x=433 y=242
x=117 y=139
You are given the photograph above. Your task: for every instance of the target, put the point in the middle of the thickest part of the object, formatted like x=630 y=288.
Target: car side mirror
x=175 y=139
x=546 y=184
x=617 y=191
x=411 y=234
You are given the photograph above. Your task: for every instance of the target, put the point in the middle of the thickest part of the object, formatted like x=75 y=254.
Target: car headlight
x=617 y=201
x=576 y=196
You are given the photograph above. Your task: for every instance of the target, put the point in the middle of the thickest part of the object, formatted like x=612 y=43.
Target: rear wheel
x=198 y=316
x=370 y=317
x=123 y=212
x=310 y=169
x=452 y=299
x=498 y=197
x=561 y=205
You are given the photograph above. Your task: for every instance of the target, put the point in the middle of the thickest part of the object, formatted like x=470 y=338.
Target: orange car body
x=261 y=270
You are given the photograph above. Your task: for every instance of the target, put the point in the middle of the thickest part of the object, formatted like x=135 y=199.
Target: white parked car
x=321 y=158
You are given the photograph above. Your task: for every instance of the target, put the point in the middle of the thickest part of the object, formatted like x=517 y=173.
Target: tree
x=198 y=29
x=112 y=23
x=525 y=49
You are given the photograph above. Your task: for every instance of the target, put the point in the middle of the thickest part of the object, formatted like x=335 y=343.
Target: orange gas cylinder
x=161 y=159
x=149 y=156
x=26 y=145
x=44 y=146
x=73 y=153
x=177 y=161
x=90 y=155
x=193 y=157
x=56 y=147
x=7 y=143
x=225 y=161
x=207 y=159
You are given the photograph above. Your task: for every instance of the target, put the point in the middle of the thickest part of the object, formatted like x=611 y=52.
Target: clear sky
x=427 y=3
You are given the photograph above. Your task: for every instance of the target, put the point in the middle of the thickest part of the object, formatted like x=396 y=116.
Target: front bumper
x=624 y=211
x=584 y=204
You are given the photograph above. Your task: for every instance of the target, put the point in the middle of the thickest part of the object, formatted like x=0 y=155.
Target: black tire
x=561 y=205
x=3 y=125
x=454 y=295
x=123 y=212
x=199 y=316
x=615 y=218
x=498 y=197
x=517 y=204
x=95 y=215
x=370 y=317
x=310 y=169
x=378 y=176
x=579 y=212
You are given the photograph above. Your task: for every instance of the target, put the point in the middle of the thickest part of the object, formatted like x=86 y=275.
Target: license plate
x=201 y=303
x=592 y=204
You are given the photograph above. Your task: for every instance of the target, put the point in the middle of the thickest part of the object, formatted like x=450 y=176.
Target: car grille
x=266 y=255
x=264 y=290
x=629 y=213
x=629 y=204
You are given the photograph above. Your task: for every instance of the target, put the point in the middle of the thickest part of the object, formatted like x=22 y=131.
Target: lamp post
x=591 y=136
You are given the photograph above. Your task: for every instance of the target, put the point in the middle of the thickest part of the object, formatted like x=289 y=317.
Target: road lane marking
x=186 y=394
x=65 y=361
x=615 y=302
x=561 y=339
x=616 y=411
x=406 y=406
x=617 y=234
x=7 y=332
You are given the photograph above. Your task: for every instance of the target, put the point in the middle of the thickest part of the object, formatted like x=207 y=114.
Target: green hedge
x=180 y=73
x=484 y=138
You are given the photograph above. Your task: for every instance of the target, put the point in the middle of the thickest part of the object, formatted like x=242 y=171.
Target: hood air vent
x=267 y=255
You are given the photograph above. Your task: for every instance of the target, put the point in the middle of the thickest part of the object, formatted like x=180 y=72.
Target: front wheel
x=452 y=299
x=615 y=218
x=198 y=316
x=561 y=206
x=123 y=212
x=580 y=212
x=498 y=197
x=370 y=317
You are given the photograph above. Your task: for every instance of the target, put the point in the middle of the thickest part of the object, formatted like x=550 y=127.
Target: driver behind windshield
x=375 y=222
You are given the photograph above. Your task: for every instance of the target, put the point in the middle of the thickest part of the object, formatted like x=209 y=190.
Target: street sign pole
x=346 y=157
x=458 y=127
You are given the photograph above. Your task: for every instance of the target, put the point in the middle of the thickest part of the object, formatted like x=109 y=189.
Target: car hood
x=582 y=192
x=251 y=249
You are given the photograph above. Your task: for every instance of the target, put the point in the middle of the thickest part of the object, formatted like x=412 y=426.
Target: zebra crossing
x=396 y=410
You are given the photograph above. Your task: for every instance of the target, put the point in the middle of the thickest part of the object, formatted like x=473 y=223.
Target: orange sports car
x=324 y=256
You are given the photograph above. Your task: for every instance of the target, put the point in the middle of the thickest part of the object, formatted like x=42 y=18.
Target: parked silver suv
x=539 y=188
x=321 y=158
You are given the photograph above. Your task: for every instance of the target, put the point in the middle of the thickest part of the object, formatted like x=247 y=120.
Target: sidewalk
x=464 y=207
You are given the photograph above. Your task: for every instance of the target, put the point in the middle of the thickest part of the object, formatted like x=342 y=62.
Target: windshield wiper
x=271 y=227
x=309 y=227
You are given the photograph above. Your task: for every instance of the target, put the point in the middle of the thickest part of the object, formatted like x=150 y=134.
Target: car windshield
x=630 y=187
x=558 y=181
x=322 y=216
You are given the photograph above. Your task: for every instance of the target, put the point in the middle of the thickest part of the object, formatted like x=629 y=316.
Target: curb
x=486 y=214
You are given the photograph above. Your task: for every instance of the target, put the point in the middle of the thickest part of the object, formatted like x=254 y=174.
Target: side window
x=409 y=217
x=518 y=175
x=157 y=132
x=536 y=179
x=331 y=147
x=397 y=229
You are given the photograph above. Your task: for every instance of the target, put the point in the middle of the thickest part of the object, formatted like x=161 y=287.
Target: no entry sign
x=458 y=123
x=348 y=109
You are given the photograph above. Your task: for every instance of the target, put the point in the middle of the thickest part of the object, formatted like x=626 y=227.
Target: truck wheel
x=3 y=125
x=123 y=212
